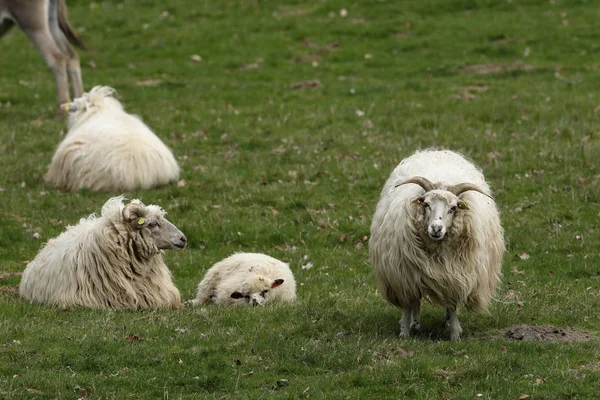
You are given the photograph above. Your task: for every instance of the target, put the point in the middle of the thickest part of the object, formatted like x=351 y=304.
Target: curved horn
x=463 y=187
x=419 y=180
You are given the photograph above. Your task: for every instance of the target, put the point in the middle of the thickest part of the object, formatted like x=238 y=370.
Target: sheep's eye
x=153 y=224
x=264 y=293
x=426 y=205
x=452 y=210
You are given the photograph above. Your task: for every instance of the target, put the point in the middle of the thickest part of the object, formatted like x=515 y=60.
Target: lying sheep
x=107 y=149
x=436 y=233
x=113 y=261
x=246 y=279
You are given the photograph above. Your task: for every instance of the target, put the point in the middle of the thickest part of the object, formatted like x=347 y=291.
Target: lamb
x=45 y=24
x=107 y=149
x=436 y=233
x=113 y=261
x=246 y=279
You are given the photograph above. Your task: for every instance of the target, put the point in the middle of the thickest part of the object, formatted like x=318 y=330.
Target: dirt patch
x=306 y=84
x=492 y=68
x=12 y=290
x=593 y=366
x=548 y=333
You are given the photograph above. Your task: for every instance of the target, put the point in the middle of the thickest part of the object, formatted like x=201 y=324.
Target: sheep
x=246 y=279
x=436 y=233
x=45 y=24
x=107 y=149
x=113 y=261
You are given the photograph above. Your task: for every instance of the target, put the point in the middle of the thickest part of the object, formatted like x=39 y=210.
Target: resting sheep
x=107 y=149
x=246 y=279
x=436 y=233
x=113 y=261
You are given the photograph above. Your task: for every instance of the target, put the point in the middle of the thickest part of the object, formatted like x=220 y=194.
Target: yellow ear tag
x=141 y=221
x=463 y=206
x=67 y=107
x=417 y=201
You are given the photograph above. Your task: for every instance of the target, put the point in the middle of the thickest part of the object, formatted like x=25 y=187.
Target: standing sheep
x=436 y=233
x=246 y=279
x=113 y=261
x=107 y=149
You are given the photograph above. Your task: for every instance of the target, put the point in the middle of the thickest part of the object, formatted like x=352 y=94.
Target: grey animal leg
x=415 y=322
x=71 y=57
x=410 y=318
x=453 y=324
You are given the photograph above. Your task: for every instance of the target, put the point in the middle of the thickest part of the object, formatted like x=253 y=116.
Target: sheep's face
x=150 y=221
x=438 y=208
x=255 y=291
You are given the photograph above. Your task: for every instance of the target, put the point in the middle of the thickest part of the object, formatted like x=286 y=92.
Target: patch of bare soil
x=306 y=84
x=548 y=333
x=12 y=290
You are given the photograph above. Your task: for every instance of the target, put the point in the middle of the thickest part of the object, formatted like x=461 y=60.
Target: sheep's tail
x=66 y=29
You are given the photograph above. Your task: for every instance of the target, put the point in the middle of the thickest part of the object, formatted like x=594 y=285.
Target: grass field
x=287 y=118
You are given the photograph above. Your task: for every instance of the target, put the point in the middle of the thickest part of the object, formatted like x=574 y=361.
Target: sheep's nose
x=183 y=239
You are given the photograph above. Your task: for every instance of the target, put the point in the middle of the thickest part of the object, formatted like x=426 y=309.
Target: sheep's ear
x=237 y=295
x=276 y=282
x=69 y=107
x=134 y=214
x=463 y=205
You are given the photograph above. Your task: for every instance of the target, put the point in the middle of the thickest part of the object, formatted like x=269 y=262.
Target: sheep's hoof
x=415 y=325
x=454 y=336
x=404 y=333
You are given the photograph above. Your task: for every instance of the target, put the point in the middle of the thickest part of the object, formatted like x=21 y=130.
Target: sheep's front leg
x=415 y=322
x=410 y=318
x=453 y=324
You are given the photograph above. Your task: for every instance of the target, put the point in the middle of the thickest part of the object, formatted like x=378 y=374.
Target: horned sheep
x=246 y=279
x=113 y=261
x=436 y=233
x=107 y=149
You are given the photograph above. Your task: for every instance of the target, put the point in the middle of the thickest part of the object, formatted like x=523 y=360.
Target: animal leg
x=453 y=324
x=44 y=42
x=405 y=322
x=71 y=57
x=415 y=322
x=410 y=318
x=35 y=21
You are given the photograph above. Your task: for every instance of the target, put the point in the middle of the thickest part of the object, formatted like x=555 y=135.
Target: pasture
x=286 y=119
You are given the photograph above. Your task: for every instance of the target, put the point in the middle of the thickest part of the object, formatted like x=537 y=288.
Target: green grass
x=296 y=173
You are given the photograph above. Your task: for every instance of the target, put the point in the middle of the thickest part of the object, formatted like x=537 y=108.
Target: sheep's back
x=115 y=152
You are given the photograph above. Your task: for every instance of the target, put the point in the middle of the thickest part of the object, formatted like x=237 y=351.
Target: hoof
x=455 y=337
x=404 y=333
